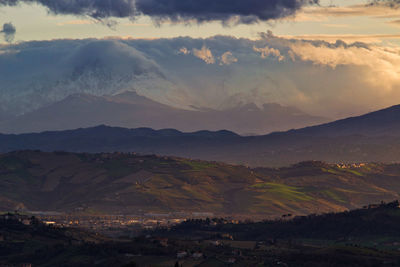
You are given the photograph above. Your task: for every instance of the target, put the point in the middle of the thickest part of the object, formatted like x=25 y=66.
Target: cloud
x=184 y=51
x=317 y=76
x=348 y=38
x=375 y=9
x=388 y=3
x=225 y=11
x=75 y=22
x=37 y=73
x=8 y=31
x=333 y=54
x=204 y=54
x=397 y=22
x=227 y=58
x=267 y=51
x=382 y=64
x=375 y=68
x=97 y=9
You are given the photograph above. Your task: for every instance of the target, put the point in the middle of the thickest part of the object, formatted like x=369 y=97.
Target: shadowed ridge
x=382 y=122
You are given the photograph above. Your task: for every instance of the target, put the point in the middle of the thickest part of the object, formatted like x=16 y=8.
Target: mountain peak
x=130 y=110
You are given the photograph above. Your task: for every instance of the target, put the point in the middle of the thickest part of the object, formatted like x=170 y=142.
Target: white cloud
x=269 y=52
x=184 y=51
x=204 y=54
x=383 y=63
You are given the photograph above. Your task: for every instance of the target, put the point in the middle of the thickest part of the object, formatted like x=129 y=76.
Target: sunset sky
x=334 y=58
x=350 y=19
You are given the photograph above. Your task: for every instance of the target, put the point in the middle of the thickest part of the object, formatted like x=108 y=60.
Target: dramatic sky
x=332 y=58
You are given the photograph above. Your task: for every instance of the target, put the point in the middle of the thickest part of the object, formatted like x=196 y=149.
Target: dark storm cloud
x=98 y=9
x=8 y=31
x=247 y=11
x=237 y=11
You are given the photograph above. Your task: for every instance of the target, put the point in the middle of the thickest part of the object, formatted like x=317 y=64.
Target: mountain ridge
x=370 y=120
x=343 y=142
x=130 y=110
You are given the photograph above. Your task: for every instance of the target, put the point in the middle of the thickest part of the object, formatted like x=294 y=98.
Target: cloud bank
x=316 y=76
x=38 y=73
x=225 y=11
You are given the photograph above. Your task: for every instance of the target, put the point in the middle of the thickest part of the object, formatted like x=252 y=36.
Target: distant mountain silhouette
x=131 y=110
x=381 y=122
x=374 y=137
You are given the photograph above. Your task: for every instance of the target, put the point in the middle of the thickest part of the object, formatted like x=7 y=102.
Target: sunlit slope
x=133 y=184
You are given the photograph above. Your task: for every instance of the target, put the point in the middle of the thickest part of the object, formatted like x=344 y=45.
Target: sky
x=36 y=22
x=332 y=58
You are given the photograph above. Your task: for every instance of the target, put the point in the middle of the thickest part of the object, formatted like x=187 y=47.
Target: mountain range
x=131 y=110
x=374 y=137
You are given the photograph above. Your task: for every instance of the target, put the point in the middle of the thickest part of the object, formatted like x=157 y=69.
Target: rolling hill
x=117 y=183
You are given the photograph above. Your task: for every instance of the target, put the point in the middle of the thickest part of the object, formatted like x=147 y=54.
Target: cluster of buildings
x=103 y=222
x=350 y=165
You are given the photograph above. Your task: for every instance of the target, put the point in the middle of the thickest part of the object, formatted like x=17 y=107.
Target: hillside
x=364 y=237
x=372 y=222
x=128 y=183
x=131 y=110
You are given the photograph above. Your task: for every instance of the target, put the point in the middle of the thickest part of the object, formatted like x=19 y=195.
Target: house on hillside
x=181 y=254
